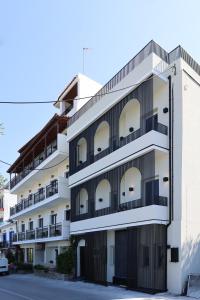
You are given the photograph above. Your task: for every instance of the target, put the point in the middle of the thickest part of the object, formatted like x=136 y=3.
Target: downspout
x=171 y=134
x=171 y=161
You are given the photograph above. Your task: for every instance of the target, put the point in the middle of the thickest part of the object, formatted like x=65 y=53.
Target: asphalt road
x=30 y=287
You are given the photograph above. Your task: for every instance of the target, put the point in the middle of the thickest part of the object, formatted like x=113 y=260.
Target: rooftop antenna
x=84 y=50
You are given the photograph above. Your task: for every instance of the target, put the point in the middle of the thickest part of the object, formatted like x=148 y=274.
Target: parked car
x=4 y=266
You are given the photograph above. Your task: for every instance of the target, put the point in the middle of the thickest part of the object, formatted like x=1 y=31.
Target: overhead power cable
x=38 y=169
x=86 y=97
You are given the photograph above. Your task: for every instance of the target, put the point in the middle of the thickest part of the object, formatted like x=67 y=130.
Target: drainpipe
x=170 y=150
x=171 y=159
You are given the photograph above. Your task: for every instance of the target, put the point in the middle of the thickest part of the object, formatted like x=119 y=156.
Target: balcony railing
x=30 y=234
x=52 y=189
x=5 y=244
x=51 y=148
x=39 y=196
x=55 y=230
x=42 y=233
x=39 y=233
x=117 y=142
x=118 y=207
x=21 y=236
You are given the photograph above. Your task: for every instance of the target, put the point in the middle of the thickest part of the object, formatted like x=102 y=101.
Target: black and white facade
x=128 y=172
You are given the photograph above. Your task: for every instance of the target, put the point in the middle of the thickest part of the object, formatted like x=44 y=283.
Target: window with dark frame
x=23 y=227
x=40 y=222
x=53 y=219
x=31 y=225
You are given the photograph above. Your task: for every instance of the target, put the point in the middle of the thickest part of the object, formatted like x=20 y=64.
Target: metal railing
x=42 y=233
x=37 y=197
x=55 y=230
x=151 y=47
x=30 y=234
x=51 y=148
x=117 y=142
x=116 y=206
x=52 y=189
x=39 y=233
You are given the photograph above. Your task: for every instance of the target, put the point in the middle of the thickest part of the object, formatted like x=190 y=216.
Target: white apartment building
x=134 y=174
x=39 y=178
x=7 y=229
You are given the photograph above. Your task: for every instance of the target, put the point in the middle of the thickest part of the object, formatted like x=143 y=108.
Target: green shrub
x=65 y=262
x=24 y=267
x=10 y=256
x=41 y=267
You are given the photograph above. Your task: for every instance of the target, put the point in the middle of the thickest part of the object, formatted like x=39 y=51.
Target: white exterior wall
x=7 y=228
x=143 y=70
x=190 y=229
x=174 y=230
x=44 y=180
x=45 y=214
x=8 y=201
x=86 y=88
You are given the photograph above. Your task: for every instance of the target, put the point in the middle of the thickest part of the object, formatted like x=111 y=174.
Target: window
x=40 y=222
x=31 y=225
x=23 y=227
x=53 y=219
x=29 y=252
x=67 y=215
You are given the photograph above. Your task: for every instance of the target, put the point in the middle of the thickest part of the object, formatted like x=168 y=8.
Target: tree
x=1 y=128
x=2 y=181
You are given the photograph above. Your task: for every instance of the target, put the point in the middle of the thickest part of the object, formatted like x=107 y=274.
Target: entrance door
x=82 y=261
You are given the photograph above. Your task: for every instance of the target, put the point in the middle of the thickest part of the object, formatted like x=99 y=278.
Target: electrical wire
x=86 y=97
x=41 y=169
x=43 y=102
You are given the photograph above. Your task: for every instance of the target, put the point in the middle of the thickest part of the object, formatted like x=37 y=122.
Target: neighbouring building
x=134 y=174
x=7 y=229
x=39 y=178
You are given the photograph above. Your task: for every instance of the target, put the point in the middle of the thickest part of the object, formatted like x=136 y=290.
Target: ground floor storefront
x=42 y=253
x=134 y=257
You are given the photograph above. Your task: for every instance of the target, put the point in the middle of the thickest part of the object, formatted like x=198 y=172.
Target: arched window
x=81 y=151
x=103 y=193
x=82 y=202
x=101 y=138
x=129 y=120
x=130 y=186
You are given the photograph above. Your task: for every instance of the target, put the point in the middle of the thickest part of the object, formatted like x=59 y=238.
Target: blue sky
x=41 y=45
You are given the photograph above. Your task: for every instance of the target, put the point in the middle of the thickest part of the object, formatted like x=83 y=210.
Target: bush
x=41 y=267
x=10 y=256
x=65 y=262
x=25 y=267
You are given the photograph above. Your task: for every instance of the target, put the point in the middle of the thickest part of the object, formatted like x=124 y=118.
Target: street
x=30 y=287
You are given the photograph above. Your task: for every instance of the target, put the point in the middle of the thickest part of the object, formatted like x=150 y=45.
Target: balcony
x=57 y=190
x=59 y=231
x=118 y=207
x=51 y=155
x=115 y=143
